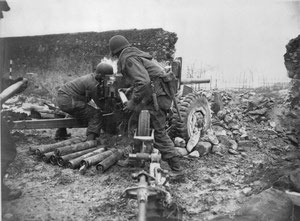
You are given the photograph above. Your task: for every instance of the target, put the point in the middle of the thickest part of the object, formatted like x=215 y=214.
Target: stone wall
x=77 y=53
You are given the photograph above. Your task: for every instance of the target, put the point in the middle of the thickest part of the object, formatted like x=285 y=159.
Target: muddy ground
x=212 y=185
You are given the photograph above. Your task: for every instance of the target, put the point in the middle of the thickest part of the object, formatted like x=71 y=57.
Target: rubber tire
x=188 y=105
x=144 y=124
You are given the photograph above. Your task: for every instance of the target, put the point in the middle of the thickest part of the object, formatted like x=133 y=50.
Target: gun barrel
x=140 y=156
x=194 y=81
x=142 y=197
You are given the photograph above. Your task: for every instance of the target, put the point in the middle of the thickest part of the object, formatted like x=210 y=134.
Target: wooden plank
x=48 y=124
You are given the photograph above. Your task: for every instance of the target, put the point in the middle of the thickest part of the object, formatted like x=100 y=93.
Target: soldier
x=145 y=77
x=74 y=96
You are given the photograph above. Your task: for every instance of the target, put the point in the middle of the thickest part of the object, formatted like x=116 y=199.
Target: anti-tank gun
x=192 y=112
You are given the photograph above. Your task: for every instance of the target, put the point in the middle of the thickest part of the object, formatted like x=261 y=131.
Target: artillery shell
x=39 y=150
x=74 y=163
x=92 y=160
x=109 y=161
x=61 y=161
x=75 y=147
x=46 y=156
x=53 y=159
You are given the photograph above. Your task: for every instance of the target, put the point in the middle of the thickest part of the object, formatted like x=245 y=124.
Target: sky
x=226 y=38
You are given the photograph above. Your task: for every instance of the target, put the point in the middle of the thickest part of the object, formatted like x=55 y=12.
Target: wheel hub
x=196 y=121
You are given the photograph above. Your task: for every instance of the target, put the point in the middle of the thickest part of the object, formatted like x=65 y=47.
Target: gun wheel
x=195 y=115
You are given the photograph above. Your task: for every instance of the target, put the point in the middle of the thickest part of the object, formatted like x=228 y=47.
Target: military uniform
x=144 y=74
x=73 y=98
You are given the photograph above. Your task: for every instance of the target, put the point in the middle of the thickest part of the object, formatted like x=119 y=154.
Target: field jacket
x=84 y=88
x=141 y=70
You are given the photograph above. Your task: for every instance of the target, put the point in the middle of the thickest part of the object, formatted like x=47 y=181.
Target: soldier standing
x=145 y=77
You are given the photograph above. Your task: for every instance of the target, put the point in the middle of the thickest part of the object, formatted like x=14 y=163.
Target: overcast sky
x=232 y=37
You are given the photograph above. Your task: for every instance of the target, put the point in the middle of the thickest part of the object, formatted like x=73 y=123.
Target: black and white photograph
x=150 y=110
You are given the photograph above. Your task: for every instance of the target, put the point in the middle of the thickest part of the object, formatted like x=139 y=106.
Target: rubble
x=230 y=125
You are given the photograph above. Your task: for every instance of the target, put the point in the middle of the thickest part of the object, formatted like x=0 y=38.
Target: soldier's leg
x=162 y=140
x=65 y=103
x=95 y=122
x=90 y=115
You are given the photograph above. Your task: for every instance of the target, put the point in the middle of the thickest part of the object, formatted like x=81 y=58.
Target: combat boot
x=61 y=134
x=174 y=164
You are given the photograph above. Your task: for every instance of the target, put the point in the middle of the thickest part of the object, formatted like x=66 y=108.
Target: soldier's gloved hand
x=129 y=106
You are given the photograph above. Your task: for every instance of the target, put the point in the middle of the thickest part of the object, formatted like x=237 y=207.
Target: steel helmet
x=103 y=69
x=118 y=43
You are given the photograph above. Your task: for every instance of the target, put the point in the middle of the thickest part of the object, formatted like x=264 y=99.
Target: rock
x=292 y=138
x=211 y=137
x=194 y=154
x=243 y=154
x=246 y=143
x=246 y=190
x=262 y=111
x=234 y=126
x=279 y=128
x=182 y=151
x=219 y=148
x=234 y=152
x=224 y=140
x=193 y=141
x=228 y=119
x=233 y=145
x=243 y=132
x=179 y=142
x=219 y=131
x=203 y=148
x=221 y=114
x=272 y=124
x=270 y=204
x=295 y=180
